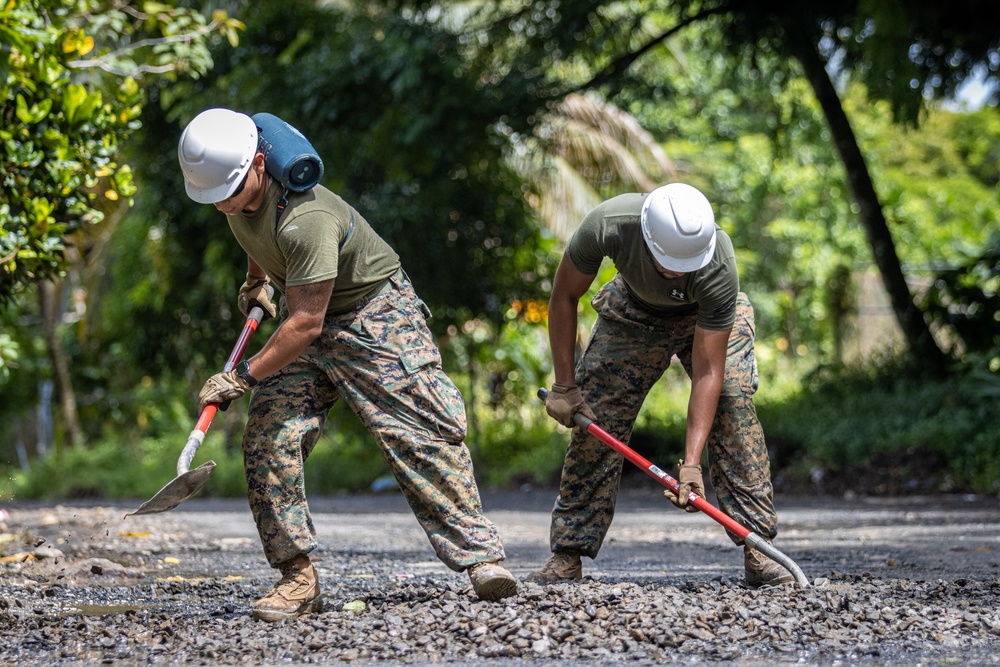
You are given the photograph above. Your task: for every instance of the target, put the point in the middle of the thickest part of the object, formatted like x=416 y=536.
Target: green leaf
x=33 y=114
x=73 y=98
x=123 y=181
x=88 y=109
x=40 y=210
x=50 y=71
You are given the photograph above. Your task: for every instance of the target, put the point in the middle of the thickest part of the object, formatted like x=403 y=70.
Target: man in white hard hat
x=676 y=293
x=351 y=328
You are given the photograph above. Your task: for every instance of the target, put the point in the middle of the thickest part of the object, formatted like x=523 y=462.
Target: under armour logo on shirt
x=678 y=294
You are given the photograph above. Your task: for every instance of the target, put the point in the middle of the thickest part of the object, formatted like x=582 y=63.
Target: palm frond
x=587 y=148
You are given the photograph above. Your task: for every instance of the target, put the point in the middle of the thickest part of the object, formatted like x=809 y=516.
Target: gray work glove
x=222 y=388
x=689 y=481
x=563 y=402
x=256 y=292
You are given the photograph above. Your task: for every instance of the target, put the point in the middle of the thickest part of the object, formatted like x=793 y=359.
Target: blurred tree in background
x=71 y=73
x=71 y=96
x=474 y=136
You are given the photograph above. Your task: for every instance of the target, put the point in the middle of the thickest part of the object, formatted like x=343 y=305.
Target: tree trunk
x=49 y=305
x=910 y=318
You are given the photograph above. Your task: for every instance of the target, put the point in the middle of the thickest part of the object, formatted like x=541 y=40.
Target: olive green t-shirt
x=318 y=237
x=613 y=230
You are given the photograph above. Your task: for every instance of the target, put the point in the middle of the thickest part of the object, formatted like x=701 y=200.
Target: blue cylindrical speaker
x=288 y=155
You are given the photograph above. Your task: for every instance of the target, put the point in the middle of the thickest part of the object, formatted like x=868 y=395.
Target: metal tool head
x=177 y=491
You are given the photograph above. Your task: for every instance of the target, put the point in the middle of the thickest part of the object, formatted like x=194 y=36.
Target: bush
x=113 y=469
x=346 y=458
x=888 y=429
x=512 y=452
x=885 y=430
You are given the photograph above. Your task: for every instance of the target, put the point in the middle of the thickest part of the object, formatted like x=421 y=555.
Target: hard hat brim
x=220 y=193
x=685 y=264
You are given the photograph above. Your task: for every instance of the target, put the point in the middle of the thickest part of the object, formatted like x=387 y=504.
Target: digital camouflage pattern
x=382 y=360
x=628 y=351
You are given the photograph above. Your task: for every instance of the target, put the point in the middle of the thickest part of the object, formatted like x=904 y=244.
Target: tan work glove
x=222 y=388
x=564 y=402
x=689 y=481
x=256 y=291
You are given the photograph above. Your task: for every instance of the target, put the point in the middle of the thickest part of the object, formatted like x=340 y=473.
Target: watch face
x=243 y=370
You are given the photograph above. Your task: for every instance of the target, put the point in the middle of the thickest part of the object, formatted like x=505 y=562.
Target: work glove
x=689 y=480
x=256 y=292
x=564 y=402
x=222 y=388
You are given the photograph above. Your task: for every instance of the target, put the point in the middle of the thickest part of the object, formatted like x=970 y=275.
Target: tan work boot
x=762 y=571
x=562 y=566
x=296 y=594
x=492 y=582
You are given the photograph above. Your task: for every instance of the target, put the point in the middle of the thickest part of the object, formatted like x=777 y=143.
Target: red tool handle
x=197 y=435
x=253 y=321
x=656 y=473
x=699 y=503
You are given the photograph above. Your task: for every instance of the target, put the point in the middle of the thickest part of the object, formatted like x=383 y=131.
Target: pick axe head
x=177 y=490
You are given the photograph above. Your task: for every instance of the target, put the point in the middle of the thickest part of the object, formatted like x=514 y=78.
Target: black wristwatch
x=243 y=370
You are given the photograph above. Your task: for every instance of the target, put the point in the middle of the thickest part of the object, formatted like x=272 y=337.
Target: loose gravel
x=123 y=601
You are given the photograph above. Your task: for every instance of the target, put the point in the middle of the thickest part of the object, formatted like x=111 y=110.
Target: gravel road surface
x=906 y=581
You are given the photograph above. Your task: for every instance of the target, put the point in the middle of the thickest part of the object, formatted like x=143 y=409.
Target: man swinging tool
x=676 y=293
x=351 y=328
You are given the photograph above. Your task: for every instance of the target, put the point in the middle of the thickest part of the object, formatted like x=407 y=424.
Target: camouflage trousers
x=382 y=360
x=628 y=351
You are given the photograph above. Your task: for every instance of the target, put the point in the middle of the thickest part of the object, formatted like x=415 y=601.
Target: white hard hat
x=678 y=226
x=215 y=151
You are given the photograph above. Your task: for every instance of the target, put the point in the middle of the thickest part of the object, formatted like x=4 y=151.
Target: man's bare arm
x=306 y=311
x=567 y=288
x=708 y=361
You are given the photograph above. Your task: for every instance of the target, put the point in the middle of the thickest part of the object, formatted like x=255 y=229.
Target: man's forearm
x=288 y=341
x=708 y=367
x=254 y=270
x=701 y=413
x=562 y=340
x=307 y=310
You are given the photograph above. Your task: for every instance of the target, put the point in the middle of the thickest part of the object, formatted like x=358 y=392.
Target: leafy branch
x=107 y=62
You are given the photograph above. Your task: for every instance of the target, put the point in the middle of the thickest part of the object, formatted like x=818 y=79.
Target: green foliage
x=9 y=352
x=977 y=139
x=70 y=98
x=97 y=471
x=939 y=207
x=23 y=366
x=344 y=459
x=939 y=429
x=416 y=113
x=516 y=452
x=906 y=53
x=343 y=463
x=408 y=134
x=909 y=52
x=966 y=300
x=751 y=135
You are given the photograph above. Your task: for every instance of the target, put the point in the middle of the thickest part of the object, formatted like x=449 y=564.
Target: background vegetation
x=474 y=136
